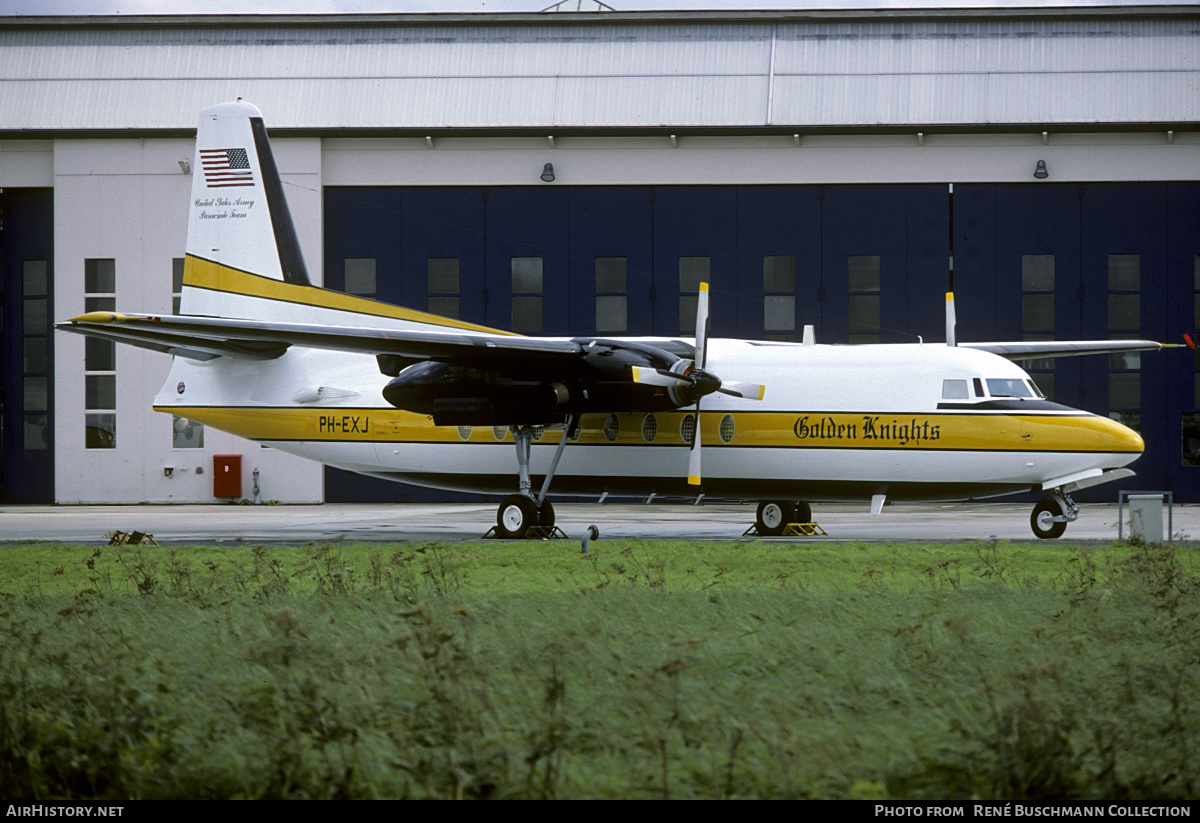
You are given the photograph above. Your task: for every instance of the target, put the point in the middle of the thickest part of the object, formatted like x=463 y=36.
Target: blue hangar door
x=1093 y=261
x=26 y=355
x=861 y=263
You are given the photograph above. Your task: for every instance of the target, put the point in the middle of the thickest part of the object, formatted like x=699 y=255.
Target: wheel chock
x=131 y=539
x=790 y=530
x=544 y=533
x=803 y=530
x=534 y=533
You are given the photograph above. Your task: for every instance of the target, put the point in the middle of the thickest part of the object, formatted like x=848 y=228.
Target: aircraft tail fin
x=239 y=225
x=243 y=257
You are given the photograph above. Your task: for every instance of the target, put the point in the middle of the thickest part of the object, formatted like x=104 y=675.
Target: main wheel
x=1042 y=520
x=803 y=512
x=773 y=515
x=546 y=516
x=516 y=514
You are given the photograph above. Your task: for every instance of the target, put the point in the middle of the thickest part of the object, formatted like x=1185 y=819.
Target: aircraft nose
x=1118 y=438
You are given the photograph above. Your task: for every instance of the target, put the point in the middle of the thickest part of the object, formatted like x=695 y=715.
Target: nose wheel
x=1051 y=516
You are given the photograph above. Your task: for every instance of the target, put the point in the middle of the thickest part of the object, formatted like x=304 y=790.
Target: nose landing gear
x=1051 y=516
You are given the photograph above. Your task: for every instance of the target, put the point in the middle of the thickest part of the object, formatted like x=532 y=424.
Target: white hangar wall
x=776 y=159
x=125 y=200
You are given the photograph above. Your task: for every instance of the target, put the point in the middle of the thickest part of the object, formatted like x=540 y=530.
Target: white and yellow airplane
x=381 y=390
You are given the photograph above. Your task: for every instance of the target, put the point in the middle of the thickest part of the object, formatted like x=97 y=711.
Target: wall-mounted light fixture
x=548 y=173
x=185 y=167
x=1040 y=172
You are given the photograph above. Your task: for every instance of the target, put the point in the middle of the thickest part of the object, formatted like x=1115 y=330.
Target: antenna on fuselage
x=950 y=341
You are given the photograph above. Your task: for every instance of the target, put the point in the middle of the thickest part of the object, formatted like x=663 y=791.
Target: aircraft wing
x=1038 y=349
x=203 y=338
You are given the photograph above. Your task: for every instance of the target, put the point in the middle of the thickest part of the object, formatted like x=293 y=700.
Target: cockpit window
x=1036 y=391
x=1007 y=387
x=954 y=390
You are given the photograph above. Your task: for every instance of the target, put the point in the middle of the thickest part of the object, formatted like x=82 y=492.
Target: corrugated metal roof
x=789 y=74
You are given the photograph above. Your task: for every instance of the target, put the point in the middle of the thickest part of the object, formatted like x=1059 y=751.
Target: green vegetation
x=642 y=670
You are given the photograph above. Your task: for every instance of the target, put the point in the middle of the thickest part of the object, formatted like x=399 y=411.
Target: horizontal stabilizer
x=213 y=336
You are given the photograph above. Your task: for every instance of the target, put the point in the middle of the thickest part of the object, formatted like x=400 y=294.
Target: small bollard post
x=591 y=534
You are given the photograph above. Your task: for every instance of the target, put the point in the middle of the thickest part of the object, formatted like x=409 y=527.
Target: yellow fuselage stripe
x=811 y=430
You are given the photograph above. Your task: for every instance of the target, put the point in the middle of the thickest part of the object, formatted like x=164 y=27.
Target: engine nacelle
x=459 y=396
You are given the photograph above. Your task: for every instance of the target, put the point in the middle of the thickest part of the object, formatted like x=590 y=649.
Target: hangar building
x=580 y=173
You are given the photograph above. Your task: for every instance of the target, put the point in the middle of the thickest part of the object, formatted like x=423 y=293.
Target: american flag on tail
x=224 y=168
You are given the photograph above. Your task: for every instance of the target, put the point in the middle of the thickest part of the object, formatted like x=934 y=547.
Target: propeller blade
x=701 y=355
x=701 y=325
x=748 y=391
x=659 y=377
x=694 y=454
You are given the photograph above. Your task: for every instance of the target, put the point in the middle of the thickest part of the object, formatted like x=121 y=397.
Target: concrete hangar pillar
x=579 y=174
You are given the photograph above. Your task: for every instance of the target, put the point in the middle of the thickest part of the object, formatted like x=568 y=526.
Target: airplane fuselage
x=838 y=423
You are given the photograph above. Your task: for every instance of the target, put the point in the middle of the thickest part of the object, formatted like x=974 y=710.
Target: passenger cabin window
x=955 y=390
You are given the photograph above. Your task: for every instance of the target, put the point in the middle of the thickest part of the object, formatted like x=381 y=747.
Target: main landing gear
x=519 y=513
x=1051 y=516
x=774 y=515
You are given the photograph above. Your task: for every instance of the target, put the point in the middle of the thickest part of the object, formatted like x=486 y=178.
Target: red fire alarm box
x=227 y=475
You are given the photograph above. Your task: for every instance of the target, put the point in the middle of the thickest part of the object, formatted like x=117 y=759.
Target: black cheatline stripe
x=290 y=258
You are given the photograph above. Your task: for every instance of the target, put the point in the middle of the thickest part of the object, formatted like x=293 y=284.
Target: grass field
x=642 y=670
